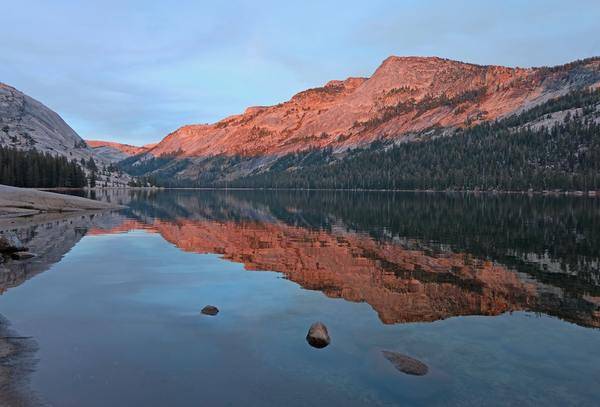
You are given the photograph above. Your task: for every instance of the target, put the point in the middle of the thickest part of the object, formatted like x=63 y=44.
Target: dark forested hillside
x=555 y=145
x=34 y=169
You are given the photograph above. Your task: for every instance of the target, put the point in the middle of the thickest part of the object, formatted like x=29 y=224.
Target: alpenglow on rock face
x=405 y=96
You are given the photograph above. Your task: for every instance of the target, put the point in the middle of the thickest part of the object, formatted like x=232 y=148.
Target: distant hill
x=114 y=152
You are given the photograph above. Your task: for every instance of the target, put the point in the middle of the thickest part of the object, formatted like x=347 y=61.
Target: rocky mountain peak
x=404 y=97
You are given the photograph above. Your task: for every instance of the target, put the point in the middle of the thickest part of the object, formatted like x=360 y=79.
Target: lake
x=499 y=295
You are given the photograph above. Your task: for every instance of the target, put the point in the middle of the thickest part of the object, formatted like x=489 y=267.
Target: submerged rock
x=22 y=255
x=318 y=336
x=406 y=364
x=210 y=310
x=9 y=243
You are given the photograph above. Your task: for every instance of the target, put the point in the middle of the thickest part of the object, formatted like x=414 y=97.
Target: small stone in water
x=210 y=310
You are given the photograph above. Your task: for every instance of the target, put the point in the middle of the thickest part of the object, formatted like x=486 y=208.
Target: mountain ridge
x=404 y=95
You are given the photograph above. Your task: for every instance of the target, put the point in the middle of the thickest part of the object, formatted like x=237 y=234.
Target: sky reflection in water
x=117 y=319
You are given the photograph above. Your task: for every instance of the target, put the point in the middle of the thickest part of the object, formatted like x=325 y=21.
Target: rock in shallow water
x=406 y=364
x=9 y=243
x=318 y=336
x=210 y=310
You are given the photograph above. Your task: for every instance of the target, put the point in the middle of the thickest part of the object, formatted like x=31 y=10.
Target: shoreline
x=590 y=194
x=23 y=203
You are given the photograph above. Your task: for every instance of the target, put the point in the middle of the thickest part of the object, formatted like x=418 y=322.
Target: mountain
x=552 y=146
x=115 y=152
x=404 y=96
x=26 y=124
x=406 y=99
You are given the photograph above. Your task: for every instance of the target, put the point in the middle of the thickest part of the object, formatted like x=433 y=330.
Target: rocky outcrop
x=15 y=202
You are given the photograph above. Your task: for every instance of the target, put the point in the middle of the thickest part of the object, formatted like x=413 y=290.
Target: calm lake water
x=498 y=295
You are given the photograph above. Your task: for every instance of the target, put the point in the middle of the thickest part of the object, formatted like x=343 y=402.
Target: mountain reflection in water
x=411 y=257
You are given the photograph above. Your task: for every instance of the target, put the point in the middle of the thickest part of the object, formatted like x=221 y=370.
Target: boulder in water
x=318 y=336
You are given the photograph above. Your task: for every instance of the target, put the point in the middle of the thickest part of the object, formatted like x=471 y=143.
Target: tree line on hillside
x=33 y=169
x=509 y=154
x=516 y=153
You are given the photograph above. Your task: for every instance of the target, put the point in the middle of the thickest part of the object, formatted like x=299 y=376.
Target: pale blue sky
x=133 y=71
